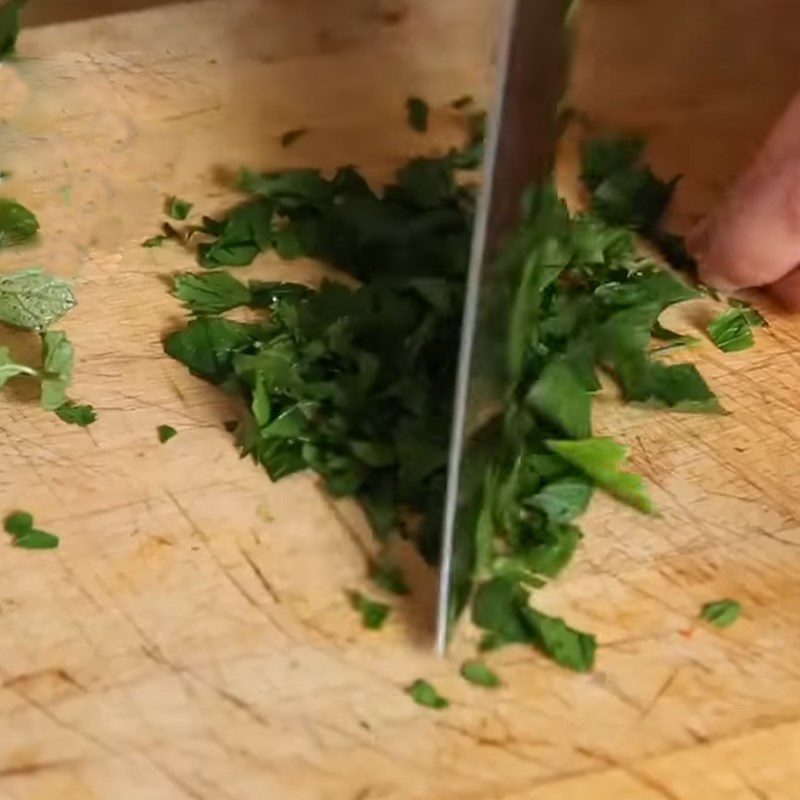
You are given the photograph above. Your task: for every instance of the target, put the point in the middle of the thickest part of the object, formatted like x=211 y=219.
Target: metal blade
x=523 y=133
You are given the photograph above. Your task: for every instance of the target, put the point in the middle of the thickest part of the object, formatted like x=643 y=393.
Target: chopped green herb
x=179 y=209
x=17 y=224
x=33 y=300
x=732 y=330
x=9 y=26
x=721 y=613
x=478 y=673
x=211 y=292
x=155 y=241
x=355 y=381
x=418 y=113
x=290 y=137
x=165 y=433
x=373 y=613
x=20 y=526
x=601 y=460
x=74 y=414
x=424 y=694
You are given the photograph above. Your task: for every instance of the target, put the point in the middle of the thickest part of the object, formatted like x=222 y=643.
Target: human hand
x=753 y=237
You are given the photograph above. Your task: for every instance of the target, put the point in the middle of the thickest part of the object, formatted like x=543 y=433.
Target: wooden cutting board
x=191 y=636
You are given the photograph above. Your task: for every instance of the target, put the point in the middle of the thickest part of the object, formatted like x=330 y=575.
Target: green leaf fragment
x=74 y=414
x=20 y=526
x=373 y=613
x=19 y=523
x=211 y=292
x=478 y=673
x=165 y=433
x=33 y=300
x=732 y=331
x=721 y=613
x=179 y=209
x=418 y=111
x=424 y=694
x=601 y=459
x=17 y=224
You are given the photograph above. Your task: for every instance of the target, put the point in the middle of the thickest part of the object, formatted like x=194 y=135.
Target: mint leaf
x=33 y=300
x=721 y=613
x=211 y=292
x=601 y=459
x=418 y=112
x=565 y=645
x=563 y=500
x=165 y=433
x=17 y=224
x=560 y=395
x=478 y=673
x=424 y=694
x=155 y=241
x=74 y=414
x=373 y=613
x=57 y=356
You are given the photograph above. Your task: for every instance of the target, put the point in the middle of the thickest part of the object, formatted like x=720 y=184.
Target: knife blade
x=522 y=138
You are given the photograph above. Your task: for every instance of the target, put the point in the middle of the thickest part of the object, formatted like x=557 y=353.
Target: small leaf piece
x=165 y=433
x=424 y=694
x=74 y=414
x=721 y=613
x=32 y=300
x=179 y=209
x=478 y=673
x=373 y=613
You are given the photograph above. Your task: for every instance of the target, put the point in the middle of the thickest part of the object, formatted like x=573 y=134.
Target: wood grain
x=191 y=637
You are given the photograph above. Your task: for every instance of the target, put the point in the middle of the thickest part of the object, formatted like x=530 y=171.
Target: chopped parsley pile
x=354 y=380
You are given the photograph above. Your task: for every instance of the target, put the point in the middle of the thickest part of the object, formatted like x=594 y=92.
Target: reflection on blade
x=520 y=152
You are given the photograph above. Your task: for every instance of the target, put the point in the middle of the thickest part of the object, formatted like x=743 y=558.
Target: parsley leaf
x=478 y=673
x=20 y=526
x=290 y=137
x=418 y=113
x=211 y=293
x=58 y=356
x=33 y=300
x=732 y=330
x=10 y=369
x=9 y=26
x=179 y=209
x=373 y=613
x=501 y=608
x=601 y=459
x=74 y=414
x=721 y=613
x=424 y=694
x=165 y=433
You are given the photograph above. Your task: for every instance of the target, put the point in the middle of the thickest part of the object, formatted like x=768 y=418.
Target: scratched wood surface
x=191 y=637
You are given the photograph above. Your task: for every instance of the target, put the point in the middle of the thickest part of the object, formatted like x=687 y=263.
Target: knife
x=522 y=137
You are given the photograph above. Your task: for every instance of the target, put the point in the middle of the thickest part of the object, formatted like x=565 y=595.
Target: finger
x=787 y=290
